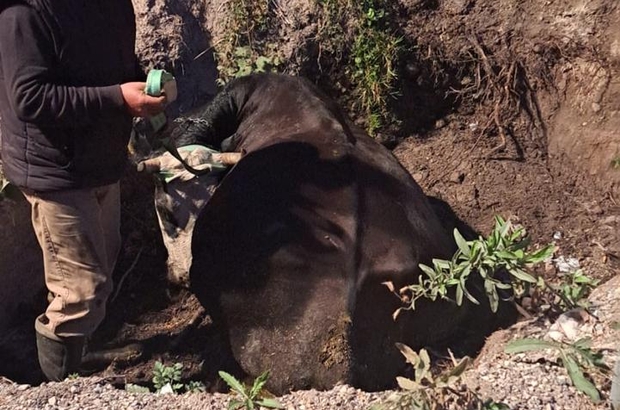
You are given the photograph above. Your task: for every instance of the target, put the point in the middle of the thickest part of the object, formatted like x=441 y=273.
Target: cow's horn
x=228 y=158
x=151 y=165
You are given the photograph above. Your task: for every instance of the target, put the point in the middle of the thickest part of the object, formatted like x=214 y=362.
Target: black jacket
x=62 y=62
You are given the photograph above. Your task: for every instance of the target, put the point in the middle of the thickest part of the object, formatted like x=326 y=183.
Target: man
x=68 y=92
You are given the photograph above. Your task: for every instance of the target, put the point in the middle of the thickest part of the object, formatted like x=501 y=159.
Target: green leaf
x=579 y=380
x=505 y=254
x=459 y=295
x=407 y=384
x=462 y=243
x=259 y=383
x=476 y=250
x=261 y=63
x=270 y=404
x=527 y=345
x=502 y=285
x=541 y=255
x=441 y=264
x=411 y=356
x=242 y=52
x=465 y=273
x=456 y=372
x=502 y=226
x=469 y=296
x=583 y=343
x=235 y=404
x=428 y=270
x=424 y=366
x=233 y=383
x=522 y=275
x=522 y=244
x=492 y=295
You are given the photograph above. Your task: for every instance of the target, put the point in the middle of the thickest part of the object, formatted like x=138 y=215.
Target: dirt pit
x=541 y=158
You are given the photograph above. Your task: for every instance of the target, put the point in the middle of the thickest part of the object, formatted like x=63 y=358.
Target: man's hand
x=138 y=103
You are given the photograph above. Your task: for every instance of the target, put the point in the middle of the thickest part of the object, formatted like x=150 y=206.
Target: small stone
x=440 y=123
x=596 y=210
x=457 y=177
x=52 y=401
x=458 y=6
x=73 y=389
x=23 y=387
x=596 y=107
x=610 y=220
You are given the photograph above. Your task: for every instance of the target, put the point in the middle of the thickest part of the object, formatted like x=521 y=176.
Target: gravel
x=96 y=394
x=526 y=381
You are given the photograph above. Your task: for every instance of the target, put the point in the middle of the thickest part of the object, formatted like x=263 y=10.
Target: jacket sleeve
x=27 y=55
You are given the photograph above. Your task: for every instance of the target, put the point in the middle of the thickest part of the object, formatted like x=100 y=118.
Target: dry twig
x=120 y=283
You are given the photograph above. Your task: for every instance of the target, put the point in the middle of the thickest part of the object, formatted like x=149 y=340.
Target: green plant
x=423 y=377
x=246 y=62
x=252 y=397
x=167 y=379
x=331 y=36
x=575 y=288
x=370 y=58
x=428 y=391
x=167 y=376
x=492 y=405
x=576 y=358
x=505 y=249
x=241 y=51
x=374 y=56
x=73 y=376
x=195 y=387
x=615 y=163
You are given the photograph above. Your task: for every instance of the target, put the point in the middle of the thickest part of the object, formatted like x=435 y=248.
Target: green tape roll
x=155 y=84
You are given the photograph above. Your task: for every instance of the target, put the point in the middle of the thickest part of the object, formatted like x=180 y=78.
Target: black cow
x=290 y=252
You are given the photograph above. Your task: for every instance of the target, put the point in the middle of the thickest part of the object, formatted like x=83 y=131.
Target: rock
x=568 y=327
x=457 y=177
x=440 y=123
x=457 y=6
x=566 y=265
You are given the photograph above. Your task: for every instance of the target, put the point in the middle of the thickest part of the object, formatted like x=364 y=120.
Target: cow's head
x=180 y=196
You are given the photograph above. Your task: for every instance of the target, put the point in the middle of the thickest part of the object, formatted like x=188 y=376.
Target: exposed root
x=120 y=283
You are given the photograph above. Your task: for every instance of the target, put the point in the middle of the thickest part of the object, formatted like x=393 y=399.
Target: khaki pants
x=79 y=233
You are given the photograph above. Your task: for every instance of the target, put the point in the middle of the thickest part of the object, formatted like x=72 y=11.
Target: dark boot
x=59 y=359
